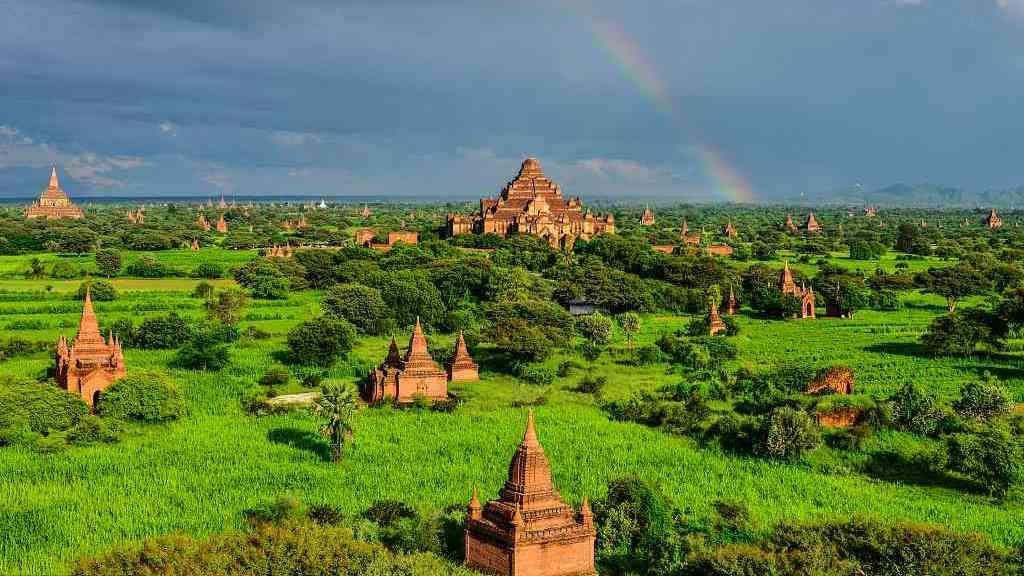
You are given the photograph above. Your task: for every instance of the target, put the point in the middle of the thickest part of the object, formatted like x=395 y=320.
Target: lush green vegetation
x=150 y=474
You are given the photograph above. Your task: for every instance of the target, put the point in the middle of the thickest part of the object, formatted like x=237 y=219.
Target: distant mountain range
x=918 y=195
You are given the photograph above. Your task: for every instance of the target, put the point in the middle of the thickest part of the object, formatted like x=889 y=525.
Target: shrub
x=108 y=262
x=320 y=341
x=31 y=409
x=991 y=457
x=983 y=401
x=64 y=270
x=595 y=327
x=207 y=349
x=208 y=270
x=99 y=290
x=275 y=376
x=203 y=290
x=361 y=305
x=144 y=397
x=226 y=306
x=915 y=410
x=161 y=332
x=789 y=434
x=536 y=374
x=146 y=266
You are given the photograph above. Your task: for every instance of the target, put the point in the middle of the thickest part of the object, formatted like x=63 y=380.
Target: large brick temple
x=533 y=204
x=90 y=364
x=803 y=294
x=404 y=378
x=53 y=203
x=529 y=530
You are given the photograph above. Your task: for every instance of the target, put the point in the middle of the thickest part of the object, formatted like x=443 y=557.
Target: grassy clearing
x=198 y=475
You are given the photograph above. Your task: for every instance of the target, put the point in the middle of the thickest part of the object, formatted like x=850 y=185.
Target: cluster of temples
x=89 y=364
x=404 y=378
x=53 y=203
x=365 y=236
x=532 y=204
x=529 y=530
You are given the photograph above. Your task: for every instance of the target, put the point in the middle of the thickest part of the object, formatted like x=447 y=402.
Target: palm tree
x=337 y=407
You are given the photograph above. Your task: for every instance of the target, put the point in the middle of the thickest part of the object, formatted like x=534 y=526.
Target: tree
x=361 y=305
x=954 y=283
x=530 y=329
x=99 y=290
x=960 y=333
x=790 y=433
x=207 y=349
x=226 y=306
x=109 y=262
x=596 y=328
x=144 y=397
x=36 y=270
x=991 y=457
x=208 y=270
x=915 y=410
x=410 y=294
x=630 y=324
x=983 y=401
x=844 y=292
x=159 y=333
x=509 y=284
x=320 y=341
x=336 y=406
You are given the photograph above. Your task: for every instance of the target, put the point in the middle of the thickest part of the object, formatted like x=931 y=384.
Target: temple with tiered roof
x=805 y=295
x=529 y=530
x=405 y=378
x=54 y=203
x=532 y=204
x=90 y=364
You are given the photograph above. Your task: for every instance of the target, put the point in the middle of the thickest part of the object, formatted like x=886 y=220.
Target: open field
x=199 y=474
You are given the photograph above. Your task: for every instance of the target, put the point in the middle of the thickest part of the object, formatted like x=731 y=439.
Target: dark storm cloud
x=392 y=97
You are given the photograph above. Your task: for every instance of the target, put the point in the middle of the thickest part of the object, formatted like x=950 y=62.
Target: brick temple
x=993 y=221
x=54 y=203
x=805 y=295
x=715 y=323
x=461 y=367
x=533 y=204
x=529 y=530
x=90 y=364
x=647 y=218
x=812 y=224
x=404 y=378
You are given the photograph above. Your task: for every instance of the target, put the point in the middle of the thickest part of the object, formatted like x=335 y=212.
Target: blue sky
x=444 y=99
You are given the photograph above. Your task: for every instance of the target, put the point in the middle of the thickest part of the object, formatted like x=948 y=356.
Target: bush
x=275 y=376
x=361 y=305
x=983 y=401
x=535 y=374
x=207 y=349
x=595 y=327
x=320 y=341
x=99 y=291
x=108 y=262
x=208 y=270
x=226 y=306
x=915 y=410
x=64 y=270
x=146 y=266
x=991 y=457
x=30 y=409
x=143 y=397
x=789 y=434
x=161 y=333
x=203 y=290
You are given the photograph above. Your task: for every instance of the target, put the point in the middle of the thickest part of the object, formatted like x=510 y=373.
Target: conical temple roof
x=394 y=357
x=88 y=326
x=461 y=355
x=417 y=358
x=54 y=182
x=529 y=474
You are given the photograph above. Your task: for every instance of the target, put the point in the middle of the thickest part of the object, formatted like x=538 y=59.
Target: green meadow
x=200 y=474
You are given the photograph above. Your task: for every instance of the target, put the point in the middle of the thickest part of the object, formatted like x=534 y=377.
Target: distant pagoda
x=812 y=224
x=529 y=530
x=90 y=364
x=53 y=203
x=804 y=295
x=647 y=218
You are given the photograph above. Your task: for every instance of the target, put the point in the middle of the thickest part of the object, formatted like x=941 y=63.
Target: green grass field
x=199 y=474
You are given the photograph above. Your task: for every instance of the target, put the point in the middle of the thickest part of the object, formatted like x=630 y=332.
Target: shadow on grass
x=915 y=349
x=301 y=439
x=895 y=467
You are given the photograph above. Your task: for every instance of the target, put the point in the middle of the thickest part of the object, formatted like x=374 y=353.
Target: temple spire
x=54 y=183
x=530 y=437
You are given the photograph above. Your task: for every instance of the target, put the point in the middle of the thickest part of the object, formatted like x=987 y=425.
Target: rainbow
x=630 y=58
x=728 y=182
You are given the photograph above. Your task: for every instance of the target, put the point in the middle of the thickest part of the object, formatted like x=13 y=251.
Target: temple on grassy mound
x=461 y=368
x=91 y=364
x=532 y=204
x=53 y=203
x=805 y=295
x=405 y=378
x=529 y=530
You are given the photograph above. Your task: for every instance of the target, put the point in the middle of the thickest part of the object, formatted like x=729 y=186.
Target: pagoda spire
x=54 y=182
x=417 y=343
x=88 y=326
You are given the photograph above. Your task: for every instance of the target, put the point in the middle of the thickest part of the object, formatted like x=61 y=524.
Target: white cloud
x=168 y=127
x=18 y=150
